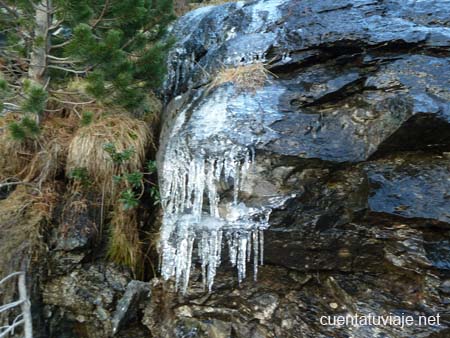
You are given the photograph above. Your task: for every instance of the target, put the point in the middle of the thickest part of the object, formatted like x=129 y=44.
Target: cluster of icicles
x=194 y=216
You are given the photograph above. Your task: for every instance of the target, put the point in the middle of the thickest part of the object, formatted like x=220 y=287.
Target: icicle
x=188 y=265
x=242 y=263
x=219 y=247
x=212 y=189
x=261 y=246
x=204 y=253
x=193 y=212
x=213 y=259
x=249 y=248
x=255 y=254
x=232 y=248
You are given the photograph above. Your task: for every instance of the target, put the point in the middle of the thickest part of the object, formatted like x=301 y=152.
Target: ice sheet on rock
x=203 y=174
x=191 y=205
x=264 y=13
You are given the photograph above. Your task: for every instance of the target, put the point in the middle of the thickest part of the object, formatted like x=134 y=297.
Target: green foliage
x=31 y=126
x=3 y=85
x=27 y=128
x=131 y=181
x=123 y=51
x=151 y=167
x=4 y=91
x=118 y=157
x=115 y=45
x=128 y=199
x=154 y=189
x=86 y=118
x=35 y=100
x=134 y=179
x=81 y=176
x=17 y=132
x=96 y=84
x=155 y=195
x=39 y=41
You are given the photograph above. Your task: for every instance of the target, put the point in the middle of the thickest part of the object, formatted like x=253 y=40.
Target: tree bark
x=41 y=43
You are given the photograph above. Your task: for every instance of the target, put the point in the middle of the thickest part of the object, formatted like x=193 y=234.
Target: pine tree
x=112 y=45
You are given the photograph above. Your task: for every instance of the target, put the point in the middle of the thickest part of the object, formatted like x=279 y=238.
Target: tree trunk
x=41 y=43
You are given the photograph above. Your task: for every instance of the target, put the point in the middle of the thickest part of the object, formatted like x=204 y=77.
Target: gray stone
x=354 y=126
x=126 y=308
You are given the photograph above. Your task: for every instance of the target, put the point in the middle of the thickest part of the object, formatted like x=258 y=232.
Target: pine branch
x=68 y=62
x=68 y=69
x=9 y=9
x=56 y=25
x=57 y=60
x=61 y=45
x=71 y=102
x=11 y=106
x=102 y=14
x=34 y=5
x=145 y=29
x=52 y=57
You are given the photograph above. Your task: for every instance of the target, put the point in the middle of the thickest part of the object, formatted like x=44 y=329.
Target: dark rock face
x=411 y=187
x=355 y=126
x=136 y=293
x=83 y=296
x=82 y=302
x=75 y=236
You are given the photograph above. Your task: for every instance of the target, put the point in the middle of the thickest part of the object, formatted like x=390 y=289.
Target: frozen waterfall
x=203 y=174
x=192 y=213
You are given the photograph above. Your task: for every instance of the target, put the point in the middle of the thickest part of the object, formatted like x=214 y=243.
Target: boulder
x=352 y=129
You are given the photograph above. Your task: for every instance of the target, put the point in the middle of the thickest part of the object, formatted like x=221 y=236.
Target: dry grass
x=245 y=78
x=63 y=146
x=86 y=149
x=22 y=218
x=57 y=134
x=14 y=156
x=37 y=160
x=183 y=6
x=125 y=246
x=155 y=108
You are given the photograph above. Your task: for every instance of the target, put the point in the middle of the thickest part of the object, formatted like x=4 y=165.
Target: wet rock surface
x=333 y=251
x=352 y=129
x=82 y=302
x=353 y=126
x=136 y=294
x=75 y=236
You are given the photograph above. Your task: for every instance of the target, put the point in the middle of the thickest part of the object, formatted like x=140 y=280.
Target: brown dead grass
x=23 y=216
x=35 y=160
x=245 y=78
x=14 y=156
x=86 y=150
x=125 y=246
x=183 y=6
